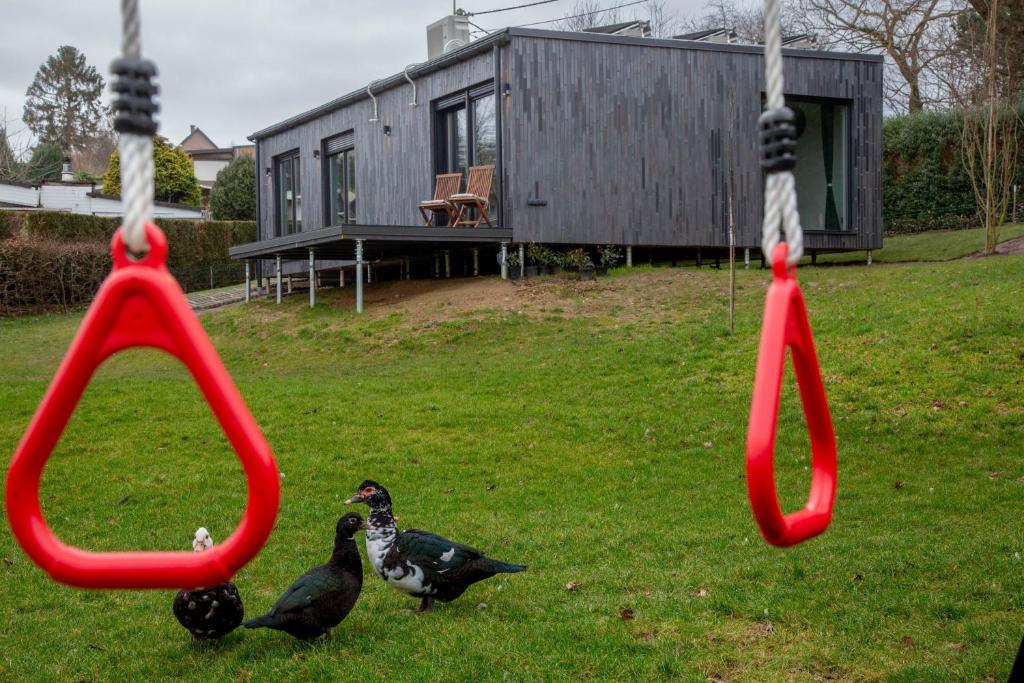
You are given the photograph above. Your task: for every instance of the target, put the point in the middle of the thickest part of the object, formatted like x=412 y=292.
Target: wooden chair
x=477 y=196
x=445 y=185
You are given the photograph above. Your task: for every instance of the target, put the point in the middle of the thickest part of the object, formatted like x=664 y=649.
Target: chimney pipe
x=66 y=175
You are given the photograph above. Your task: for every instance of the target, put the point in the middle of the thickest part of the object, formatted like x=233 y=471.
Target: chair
x=477 y=196
x=445 y=185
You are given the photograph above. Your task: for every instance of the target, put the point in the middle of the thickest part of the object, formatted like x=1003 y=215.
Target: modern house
x=208 y=159
x=597 y=139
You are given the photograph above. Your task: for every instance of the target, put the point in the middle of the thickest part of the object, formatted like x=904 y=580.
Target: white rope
x=136 y=150
x=780 y=209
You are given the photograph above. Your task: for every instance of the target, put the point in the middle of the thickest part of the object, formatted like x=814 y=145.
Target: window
x=822 y=169
x=340 y=179
x=466 y=134
x=288 y=192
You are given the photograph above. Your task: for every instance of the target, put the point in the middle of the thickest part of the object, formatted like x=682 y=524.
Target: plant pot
x=601 y=270
x=513 y=272
x=555 y=269
x=543 y=270
x=587 y=274
x=531 y=271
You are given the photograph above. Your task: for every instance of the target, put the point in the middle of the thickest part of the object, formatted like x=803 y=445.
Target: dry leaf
x=907 y=641
x=492 y=487
x=571 y=586
x=899 y=484
x=626 y=614
x=699 y=593
x=858 y=577
x=124 y=500
x=646 y=636
x=955 y=646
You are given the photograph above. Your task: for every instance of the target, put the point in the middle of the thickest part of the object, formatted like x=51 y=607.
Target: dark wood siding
x=634 y=145
x=394 y=173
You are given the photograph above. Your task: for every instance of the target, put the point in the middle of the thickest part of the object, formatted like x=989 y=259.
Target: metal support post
x=359 y=276
x=312 y=279
x=476 y=262
x=869 y=257
x=746 y=258
x=522 y=261
x=504 y=260
x=629 y=256
x=277 y=265
x=248 y=281
x=447 y=263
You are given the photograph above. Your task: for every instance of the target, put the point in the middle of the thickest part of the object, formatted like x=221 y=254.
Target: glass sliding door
x=467 y=133
x=822 y=169
x=341 y=187
x=288 y=194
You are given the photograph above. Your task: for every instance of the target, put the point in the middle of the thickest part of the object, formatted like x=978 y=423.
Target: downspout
x=412 y=83
x=374 y=118
x=499 y=129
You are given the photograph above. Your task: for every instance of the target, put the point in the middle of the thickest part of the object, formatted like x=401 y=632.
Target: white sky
x=232 y=67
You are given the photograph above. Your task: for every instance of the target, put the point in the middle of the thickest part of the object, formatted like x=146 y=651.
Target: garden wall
x=52 y=260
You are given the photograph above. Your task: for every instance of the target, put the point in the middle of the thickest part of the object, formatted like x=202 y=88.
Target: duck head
x=371 y=493
x=349 y=524
x=202 y=541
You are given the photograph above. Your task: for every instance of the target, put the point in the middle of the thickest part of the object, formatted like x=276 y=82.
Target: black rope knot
x=133 y=96
x=778 y=140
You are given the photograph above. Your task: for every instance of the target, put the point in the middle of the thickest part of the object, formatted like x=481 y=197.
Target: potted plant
x=555 y=261
x=608 y=257
x=537 y=254
x=512 y=265
x=579 y=260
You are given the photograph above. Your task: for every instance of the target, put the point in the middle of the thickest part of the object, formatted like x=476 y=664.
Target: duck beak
x=358 y=498
x=362 y=526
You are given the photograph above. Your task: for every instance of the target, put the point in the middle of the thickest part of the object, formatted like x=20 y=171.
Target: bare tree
x=990 y=143
x=663 y=21
x=908 y=32
x=587 y=14
x=746 y=18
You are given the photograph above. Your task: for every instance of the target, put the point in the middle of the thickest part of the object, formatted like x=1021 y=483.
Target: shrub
x=926 y=186
x=175 y=180
x=233 y=197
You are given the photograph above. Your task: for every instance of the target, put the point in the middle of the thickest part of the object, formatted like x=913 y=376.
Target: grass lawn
x=594 y=431
x=926 y=246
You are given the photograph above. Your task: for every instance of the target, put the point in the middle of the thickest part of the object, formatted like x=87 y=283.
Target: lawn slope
x=593 y=431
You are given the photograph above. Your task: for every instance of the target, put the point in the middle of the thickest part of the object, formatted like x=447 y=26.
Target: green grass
x=941 y=245
x=594 y=432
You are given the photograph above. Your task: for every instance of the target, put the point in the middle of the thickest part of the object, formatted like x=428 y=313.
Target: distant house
x=711 y=35
x=80 y=198
x=208 y=158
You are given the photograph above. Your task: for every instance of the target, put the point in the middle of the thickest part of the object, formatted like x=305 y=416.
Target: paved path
x=202 y=301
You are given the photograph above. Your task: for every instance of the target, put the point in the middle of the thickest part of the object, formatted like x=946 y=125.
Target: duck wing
x=431 y=551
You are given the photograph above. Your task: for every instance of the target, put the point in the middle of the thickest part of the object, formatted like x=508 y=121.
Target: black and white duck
x=323 y=596
x=422 y=564
x=208 y=613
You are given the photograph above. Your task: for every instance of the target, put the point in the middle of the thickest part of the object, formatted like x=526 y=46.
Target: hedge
x=34 y=244
x=38 y=275
x=925 y=184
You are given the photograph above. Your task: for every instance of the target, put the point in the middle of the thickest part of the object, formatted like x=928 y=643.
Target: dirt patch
x=1011 y=247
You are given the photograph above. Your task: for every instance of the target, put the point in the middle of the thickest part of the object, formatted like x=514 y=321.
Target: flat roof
x=502 y=36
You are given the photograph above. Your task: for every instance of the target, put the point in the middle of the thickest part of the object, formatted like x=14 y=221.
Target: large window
x=466 y=134
x=288 y=194
x=340 y=179
x=822 y=169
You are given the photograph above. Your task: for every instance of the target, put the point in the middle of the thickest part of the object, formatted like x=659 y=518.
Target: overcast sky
x=232 y=67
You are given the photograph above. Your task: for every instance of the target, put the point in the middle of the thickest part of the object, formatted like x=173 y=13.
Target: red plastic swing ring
x=785 y=324
x=140 y=304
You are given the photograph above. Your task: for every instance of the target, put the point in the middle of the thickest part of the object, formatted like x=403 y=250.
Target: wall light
x=316 y=154
x=507 y=89
x=387 y=130
x=268 y=171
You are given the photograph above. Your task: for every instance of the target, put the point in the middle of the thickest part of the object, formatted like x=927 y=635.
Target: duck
x=208 y=613
x=322 y=597
x=419 y=563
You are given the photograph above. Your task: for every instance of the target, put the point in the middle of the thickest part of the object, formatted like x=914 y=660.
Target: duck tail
x=499 y=567
x=264 y=621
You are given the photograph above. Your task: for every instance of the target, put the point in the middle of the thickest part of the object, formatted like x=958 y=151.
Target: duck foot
x=426 y=605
